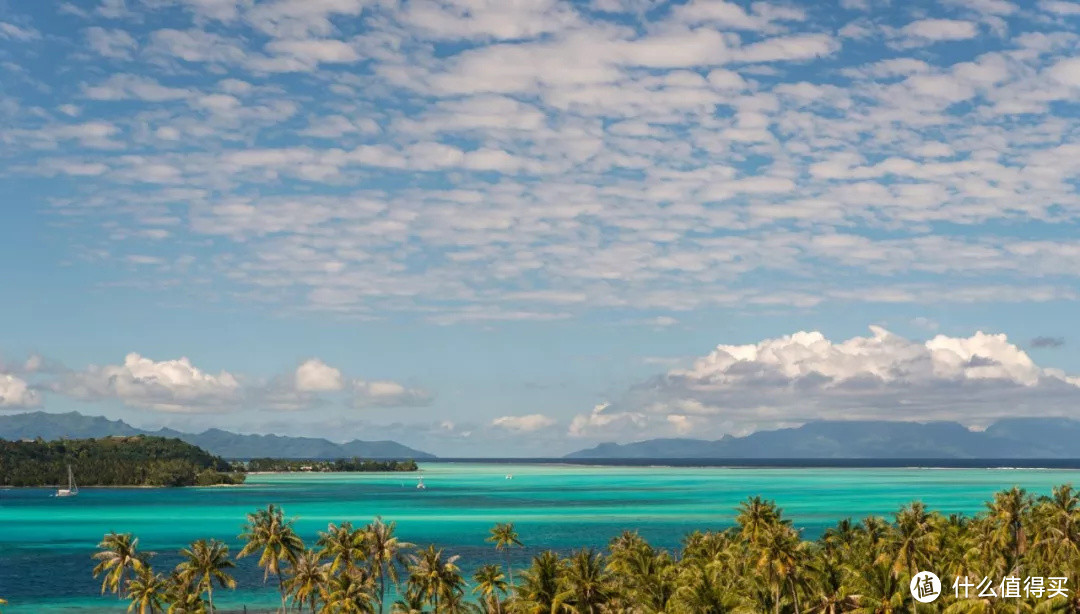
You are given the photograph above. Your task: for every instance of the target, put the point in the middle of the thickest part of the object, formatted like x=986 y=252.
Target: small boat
x=420 y=483
x=509 y=476
x=72 y=490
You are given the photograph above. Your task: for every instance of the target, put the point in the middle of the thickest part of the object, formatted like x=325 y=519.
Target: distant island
x=341 y=464
x=74 y=425
x=1010 y=438
x=137 y=460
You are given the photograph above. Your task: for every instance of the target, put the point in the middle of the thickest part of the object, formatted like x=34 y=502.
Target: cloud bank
x=806 y=376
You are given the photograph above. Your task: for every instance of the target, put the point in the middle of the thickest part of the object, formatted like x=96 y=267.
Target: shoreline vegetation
x=280 y=465
x=137 y=460
x=761 y=564
x=146 y=461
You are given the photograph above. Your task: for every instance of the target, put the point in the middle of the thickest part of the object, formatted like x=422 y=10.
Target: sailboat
x=72 y=489
x=420 y=483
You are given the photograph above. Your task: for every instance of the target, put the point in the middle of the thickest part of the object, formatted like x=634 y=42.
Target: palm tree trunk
x=281 y=588
x=382 y=585
x=210 y=596
x=794 y=593
x=509 y=570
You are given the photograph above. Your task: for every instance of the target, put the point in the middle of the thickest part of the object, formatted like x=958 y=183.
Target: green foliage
x=761 y=565
x=138 y=460
x=341 y=464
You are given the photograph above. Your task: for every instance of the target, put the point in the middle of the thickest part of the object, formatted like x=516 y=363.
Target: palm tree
x=780 y=554
x=505 y=537
x=411 y=602
x=306 y=576
x=384 y=550
x=147 y=592
x=913 y=543
x=183 y=597
x=343 y=545
x=268 y=533
x=539 y=590
x=206 y=562
x=585 y=584
x=491 y=584
x=117 y=553
x=435 y=577
x=756 y=517
x=349 y=592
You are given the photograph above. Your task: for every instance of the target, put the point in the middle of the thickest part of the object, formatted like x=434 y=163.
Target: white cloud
x=523 y=424
x=116 y=44
x=934 y=30
x=16 y=393
x=170 y=385
x=805 y=376
x=386 y=393
x=316 y=376
x=21 y=34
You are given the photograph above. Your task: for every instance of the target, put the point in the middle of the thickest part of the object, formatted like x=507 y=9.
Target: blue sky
x=500 y=228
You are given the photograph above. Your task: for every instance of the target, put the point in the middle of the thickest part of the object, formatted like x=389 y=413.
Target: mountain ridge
x=74 y=425
x=1006 y=438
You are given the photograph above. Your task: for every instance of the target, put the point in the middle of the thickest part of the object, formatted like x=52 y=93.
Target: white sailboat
x=72 y=489
x=420 y=483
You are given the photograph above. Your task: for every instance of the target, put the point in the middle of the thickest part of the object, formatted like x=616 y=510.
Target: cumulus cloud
x=806 y=376
x=315 y=375
x=169 y=385
x=16 y=393
x=523 y=424
x=933 y=30
x=385 y=393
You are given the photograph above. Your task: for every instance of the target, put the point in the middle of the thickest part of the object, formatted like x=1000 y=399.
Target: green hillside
x=138 y=460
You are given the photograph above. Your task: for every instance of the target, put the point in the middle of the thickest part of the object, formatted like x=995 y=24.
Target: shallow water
x=46 y=542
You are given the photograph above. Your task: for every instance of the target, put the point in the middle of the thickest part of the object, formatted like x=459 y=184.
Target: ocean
x=46 y=542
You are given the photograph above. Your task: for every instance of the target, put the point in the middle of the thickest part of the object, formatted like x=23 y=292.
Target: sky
x=521 y=228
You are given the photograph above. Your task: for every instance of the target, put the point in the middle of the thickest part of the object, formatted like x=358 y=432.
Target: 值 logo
x=925 y=586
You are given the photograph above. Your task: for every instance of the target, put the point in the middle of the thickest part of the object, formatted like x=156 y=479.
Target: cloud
x=115 y=44
x=805 y=376
x=16 y=393
x=170 y=385
x=927 y=31
x=1047 y=342
x=316 y=376
x=385 y=393
x=523 y=424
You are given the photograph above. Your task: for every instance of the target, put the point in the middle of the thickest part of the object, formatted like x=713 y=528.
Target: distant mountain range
x=1007 y=438
x=74 y=425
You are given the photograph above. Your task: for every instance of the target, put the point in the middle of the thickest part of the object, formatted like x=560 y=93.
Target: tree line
x=759 y=565
x=139 y=460
x=341 y=464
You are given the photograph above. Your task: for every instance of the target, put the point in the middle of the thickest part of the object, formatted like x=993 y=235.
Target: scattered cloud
x=169 y=385
x=316 y=376
x=805 y=376
x=16 y=393
x=385 y=393
x=523 y=424
x=1047 y=342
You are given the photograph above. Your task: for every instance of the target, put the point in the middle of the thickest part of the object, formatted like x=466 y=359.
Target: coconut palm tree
x=505 y=537
x=491 y=584
x=205 y=562
x=342 y=545
x=539 y=589
x=118 y=552
x=306 y=576
x=756 y=517
x=272 y=536
x=349 y=592
x=435 y=577
x=585 y=584
x=147 y=592
x=384 y=550
x=183 y=597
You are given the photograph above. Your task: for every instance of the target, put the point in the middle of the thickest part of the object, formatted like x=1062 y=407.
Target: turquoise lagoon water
x=46 y=542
